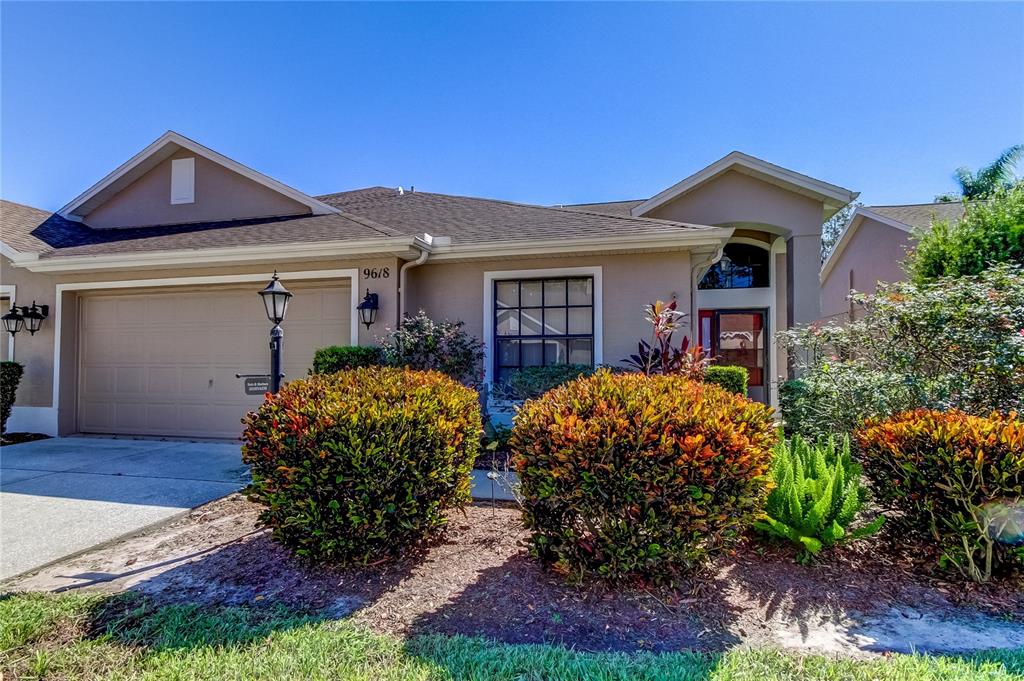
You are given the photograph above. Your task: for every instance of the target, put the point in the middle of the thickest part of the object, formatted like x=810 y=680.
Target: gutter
x=423 y=246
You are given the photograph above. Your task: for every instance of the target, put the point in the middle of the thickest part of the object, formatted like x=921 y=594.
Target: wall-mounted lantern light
x=34 y=317
x=368 y=309
x=275 y=300
x=27 y=317
x=13 y=321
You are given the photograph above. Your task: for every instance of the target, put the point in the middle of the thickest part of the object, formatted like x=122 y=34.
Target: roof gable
x=833 y=197
x=160 y=151
x=850 y=230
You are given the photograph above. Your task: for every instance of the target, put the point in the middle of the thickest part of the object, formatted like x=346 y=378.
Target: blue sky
x=540 y=103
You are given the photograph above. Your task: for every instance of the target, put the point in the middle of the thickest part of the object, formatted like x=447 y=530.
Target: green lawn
x=90 y=637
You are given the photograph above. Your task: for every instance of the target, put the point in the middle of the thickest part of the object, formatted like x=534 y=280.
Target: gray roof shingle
x=921 y=215
x=475 y=220
x=620 y=208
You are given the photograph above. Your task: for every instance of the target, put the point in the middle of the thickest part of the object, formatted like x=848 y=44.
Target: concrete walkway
x=62 y=496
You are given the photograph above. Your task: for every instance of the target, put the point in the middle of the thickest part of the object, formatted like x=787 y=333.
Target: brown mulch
x=479 y=580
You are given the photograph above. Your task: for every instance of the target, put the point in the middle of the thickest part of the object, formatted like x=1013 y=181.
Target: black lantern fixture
x=275 y=300
x=368 y=308
x=13 y=321
x=34 y=317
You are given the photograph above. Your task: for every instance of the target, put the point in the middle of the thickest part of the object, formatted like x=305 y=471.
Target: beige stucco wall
x=36 y=352
x=873 y=254
x=734 y=198
x=456 y=291
x=742 y=201
x=220 y=194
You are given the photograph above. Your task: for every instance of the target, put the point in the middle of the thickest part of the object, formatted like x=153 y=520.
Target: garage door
x=164 y=363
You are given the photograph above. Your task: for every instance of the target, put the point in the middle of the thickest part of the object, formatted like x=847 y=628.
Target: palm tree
x=990 y=179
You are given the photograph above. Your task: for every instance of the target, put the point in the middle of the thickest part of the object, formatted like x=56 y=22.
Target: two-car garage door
x=163 y=362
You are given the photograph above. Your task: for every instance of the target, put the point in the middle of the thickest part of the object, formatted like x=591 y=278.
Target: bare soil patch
x=479 y=580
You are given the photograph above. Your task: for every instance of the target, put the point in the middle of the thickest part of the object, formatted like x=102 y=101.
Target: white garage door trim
x=298 y=275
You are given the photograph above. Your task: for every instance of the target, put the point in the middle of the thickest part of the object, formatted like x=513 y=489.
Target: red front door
x=739 y=338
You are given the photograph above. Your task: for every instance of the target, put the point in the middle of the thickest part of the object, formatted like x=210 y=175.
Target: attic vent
x=183 y=180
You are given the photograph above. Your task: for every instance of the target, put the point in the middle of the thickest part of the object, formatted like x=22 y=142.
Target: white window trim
x=8 y=291
x=298 y=275
x=491 y=277
x=183 y=180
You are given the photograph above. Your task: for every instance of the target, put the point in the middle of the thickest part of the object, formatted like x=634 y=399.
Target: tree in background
x=832 y=229
x=990 y=232
x=995 y=176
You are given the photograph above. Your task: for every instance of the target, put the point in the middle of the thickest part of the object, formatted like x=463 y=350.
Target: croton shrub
x=361 y=464
x=627 y=476
x=956 y=478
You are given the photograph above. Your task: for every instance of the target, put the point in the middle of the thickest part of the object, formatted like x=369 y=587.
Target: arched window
x=741 y=266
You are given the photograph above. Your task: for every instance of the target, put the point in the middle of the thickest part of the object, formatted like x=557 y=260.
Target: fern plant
x=817 y=496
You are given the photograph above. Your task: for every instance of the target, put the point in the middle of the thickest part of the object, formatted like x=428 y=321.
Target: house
x=870 y=249
x=151 y=277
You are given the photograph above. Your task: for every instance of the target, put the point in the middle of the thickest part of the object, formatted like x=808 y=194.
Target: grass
x=95 y=637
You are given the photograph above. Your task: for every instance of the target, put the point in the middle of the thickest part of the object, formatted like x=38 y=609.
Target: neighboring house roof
x=161 y=149
x=921 y=215
x=905 y=218
x=470 y=220
x=832 y=196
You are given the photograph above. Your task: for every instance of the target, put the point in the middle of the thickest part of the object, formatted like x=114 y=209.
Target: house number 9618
x=376 y=272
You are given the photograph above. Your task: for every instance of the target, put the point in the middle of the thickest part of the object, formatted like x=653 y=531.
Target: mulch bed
x=479 y=580
x=9 y=439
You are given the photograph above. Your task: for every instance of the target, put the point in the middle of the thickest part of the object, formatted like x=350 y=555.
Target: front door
x=739 y=338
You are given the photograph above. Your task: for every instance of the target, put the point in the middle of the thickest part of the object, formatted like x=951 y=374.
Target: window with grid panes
x=540 y=322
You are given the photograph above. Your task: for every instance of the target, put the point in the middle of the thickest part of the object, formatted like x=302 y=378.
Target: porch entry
x=739 y=338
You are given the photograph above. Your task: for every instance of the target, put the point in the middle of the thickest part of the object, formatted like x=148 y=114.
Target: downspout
x=406 y=266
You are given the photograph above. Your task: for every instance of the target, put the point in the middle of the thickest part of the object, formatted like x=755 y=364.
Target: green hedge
x=531 y=382
x=10 y=376
x=733 y=379
x=336 y=358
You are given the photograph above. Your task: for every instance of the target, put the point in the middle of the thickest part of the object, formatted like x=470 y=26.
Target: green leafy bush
x=957 y=478
x=10 y=377
x=631 y=476
x=948 y=344
x=335 y=358
x=990 y=232
x=362 y=463
x=421 y=343
x=816 y=497
x=733 y=379
x=531 y=382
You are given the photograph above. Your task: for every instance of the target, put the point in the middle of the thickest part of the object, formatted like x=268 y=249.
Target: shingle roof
x=370 y=213
x=921 y=215
x=35 y=231
x=620 y=208
x=475 y=220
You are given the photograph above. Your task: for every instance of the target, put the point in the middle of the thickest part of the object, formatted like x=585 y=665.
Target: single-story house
x=151 y=278
x=871 y=248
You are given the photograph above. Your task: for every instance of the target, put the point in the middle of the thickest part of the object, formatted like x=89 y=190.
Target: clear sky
x=542 y=103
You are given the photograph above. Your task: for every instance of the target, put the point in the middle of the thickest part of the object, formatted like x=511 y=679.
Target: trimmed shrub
x=733 y=379
x=816 y=496
x=531 y=382
x=421 y=343
x=957 y=478
x=629 y=476
x=10 y=377
x=361 y=464
x=336 y=358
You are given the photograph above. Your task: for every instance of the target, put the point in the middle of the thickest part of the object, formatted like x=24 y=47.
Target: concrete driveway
x=62 y=496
